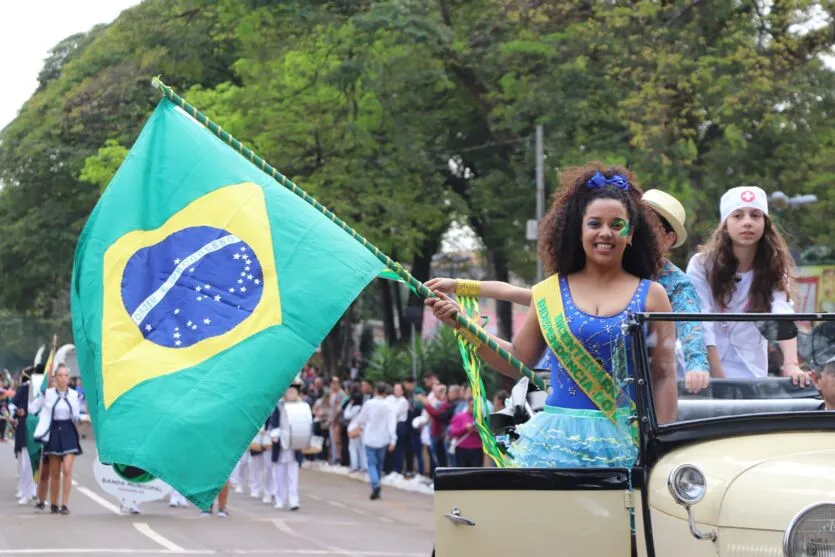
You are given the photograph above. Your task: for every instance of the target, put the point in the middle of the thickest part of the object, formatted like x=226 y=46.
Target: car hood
x=756 y=481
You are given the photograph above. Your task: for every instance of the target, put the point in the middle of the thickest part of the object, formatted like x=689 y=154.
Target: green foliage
x=100 y=168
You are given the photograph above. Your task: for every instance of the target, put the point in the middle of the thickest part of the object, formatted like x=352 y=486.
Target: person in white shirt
x=744 y=268
x=400 y=406
x=59 y=411
x=379 y=433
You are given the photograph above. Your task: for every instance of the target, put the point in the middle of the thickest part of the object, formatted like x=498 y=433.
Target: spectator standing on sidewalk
x=379 y=433
x=465 y=439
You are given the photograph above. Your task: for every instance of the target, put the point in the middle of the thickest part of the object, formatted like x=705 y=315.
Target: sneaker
x=294 y=508
x=267 y=499
x=53 y=509
x=40 y=505
x=64 y=510
x=207 y=512
x=222 y=513
x=375 y=494
x=278 y=505
x=239 y=489
x=23 y=501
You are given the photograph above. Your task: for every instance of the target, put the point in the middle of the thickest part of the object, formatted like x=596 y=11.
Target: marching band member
x=286 y=461
x=56 y=429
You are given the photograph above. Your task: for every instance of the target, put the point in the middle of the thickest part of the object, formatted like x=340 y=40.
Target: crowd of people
x=401 y=428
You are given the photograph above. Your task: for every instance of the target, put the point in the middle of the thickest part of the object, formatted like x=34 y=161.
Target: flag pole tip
x=156 y=82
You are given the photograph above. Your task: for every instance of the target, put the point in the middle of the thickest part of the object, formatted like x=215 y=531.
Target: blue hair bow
x=600 y=181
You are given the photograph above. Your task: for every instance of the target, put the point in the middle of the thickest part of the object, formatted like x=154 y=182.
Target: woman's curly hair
x=773 y=266
x=560 y=233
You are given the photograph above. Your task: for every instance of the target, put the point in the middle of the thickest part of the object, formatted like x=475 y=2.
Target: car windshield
x=750 y=365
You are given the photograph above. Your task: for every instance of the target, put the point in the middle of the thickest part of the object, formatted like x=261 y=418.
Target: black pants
x=469 y=458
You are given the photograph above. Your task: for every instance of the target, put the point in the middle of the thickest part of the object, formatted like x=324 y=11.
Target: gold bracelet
x=467 y=288
x=464 y=334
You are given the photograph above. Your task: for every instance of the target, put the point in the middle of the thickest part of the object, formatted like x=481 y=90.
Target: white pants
x=25 y=478
x=177 y=499
x=240 y=473
x=286 y=483
x=269 y=476
x=356 y=451
x=256 y=475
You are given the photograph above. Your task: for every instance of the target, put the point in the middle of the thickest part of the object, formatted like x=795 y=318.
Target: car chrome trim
x=691 y=521
x=455 y=516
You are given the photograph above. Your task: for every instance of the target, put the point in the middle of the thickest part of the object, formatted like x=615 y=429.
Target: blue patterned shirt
x=684 y=299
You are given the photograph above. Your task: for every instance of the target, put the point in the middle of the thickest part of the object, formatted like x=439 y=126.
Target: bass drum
x=296 y=425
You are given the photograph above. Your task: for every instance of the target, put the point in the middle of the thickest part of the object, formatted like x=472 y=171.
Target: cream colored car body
x=755 y=485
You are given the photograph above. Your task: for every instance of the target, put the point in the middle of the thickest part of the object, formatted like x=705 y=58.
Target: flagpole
x=462 y=319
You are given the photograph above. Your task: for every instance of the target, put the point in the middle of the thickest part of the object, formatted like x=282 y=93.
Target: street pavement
x=336 y=518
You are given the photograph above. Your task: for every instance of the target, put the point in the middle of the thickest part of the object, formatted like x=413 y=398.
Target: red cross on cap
x=748 y=196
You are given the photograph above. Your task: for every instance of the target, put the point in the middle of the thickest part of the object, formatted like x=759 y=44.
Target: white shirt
x=378 y=422
x=400 y=406
x=742 y=349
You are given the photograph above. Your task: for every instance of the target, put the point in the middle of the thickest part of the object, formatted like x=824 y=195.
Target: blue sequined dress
x=571 y=432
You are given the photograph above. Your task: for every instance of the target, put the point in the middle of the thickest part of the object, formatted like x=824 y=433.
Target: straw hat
x=671 y=209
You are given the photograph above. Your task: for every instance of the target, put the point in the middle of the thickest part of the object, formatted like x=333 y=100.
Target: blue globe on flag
x=197 y=283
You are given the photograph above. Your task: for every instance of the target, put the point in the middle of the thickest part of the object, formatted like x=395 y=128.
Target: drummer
x=285 y=462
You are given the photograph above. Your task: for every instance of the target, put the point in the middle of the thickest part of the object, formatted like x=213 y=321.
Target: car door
x=532 y=511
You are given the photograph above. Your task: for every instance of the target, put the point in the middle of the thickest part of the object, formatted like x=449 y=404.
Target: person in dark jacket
x=19 y=409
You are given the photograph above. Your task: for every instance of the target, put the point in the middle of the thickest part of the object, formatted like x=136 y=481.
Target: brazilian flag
x=200 y=288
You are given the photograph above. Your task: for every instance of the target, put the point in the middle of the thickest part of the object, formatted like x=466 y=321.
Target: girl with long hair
x=745 y=267
x=60 y=412
x=599 y=244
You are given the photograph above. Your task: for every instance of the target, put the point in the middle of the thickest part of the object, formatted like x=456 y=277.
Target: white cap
x=742 y=197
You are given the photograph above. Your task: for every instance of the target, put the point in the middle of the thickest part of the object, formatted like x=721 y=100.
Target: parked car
x=747 y=469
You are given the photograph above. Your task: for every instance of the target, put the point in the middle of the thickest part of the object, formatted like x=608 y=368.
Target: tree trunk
x=421 y=267
x=401 y=328
x=504 y=310
x=388 y=311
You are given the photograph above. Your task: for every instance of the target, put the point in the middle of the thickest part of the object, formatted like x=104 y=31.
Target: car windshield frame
x=656 y=439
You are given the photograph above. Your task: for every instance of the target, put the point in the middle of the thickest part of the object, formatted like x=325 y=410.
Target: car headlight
x=687 y=485
x=812 y=532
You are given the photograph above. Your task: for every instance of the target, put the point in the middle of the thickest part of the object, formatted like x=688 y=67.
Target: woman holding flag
x=600 y=243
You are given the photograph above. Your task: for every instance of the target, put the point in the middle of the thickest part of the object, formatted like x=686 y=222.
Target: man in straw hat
x=680 y=290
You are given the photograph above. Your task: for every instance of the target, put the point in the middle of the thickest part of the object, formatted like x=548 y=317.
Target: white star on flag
x=177 y=261
x=176 y=335
x=231 y=290
x=194 y=327
x=177 y=342
x=176 y=311
x=188 y=324
x=207 y=286
x=249 y=277
x=199 y=288
x=148 y=327
x=256 y=281
x=243 y=288
x=237 y=256
x=199 y=298
x=207 y=321
x=217 y=298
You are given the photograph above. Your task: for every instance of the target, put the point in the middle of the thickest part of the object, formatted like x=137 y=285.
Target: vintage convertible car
x=747 y=469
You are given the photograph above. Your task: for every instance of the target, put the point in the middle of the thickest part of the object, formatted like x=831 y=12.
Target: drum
x=296 y=425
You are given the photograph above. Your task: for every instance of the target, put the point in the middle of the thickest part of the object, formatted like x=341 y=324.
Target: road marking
x=314 y=497
x=338 y=504
x=99 y=550
x=320 y=552
x=384 y=519
x=146 y=530
x=74 y=483
x=100 y=500
x=333 y=550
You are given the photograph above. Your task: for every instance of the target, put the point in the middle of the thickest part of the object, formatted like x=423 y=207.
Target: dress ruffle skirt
x=573 y=438
x=63 y=439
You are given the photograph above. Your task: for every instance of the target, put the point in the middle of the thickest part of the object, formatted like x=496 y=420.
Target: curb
x=418 y=484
